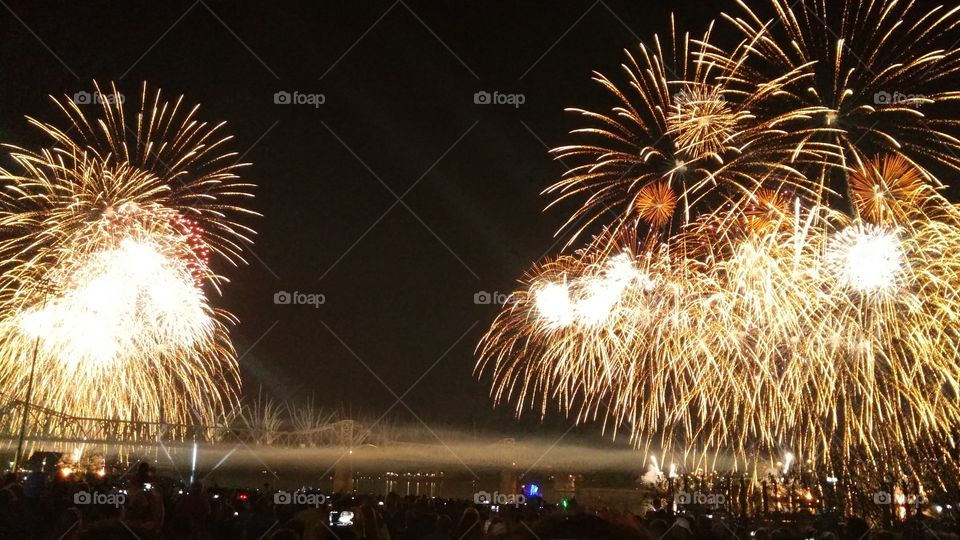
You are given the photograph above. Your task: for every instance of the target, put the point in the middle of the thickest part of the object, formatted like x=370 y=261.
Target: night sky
x=398 y=198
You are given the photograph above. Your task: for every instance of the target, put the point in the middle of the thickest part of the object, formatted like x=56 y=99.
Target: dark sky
x=399 y=81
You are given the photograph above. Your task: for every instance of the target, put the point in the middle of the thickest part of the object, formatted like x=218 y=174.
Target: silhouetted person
x=470 y=527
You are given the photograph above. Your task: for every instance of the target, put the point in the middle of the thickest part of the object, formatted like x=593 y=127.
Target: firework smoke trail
x=799 y=286
x=108 y=237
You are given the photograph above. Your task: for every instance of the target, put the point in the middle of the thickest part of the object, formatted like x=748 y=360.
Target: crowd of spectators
x=144 y=507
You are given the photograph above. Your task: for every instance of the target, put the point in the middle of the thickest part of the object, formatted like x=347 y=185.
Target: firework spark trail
x=108 y=236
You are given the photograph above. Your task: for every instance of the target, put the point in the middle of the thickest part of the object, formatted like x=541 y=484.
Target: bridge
x=256 y=425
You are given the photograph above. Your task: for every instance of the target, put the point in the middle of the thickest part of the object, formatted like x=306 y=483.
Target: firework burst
x=675 y=124
x=865 y=78
x=702 y=122
x=656 y=203
x=107 y=247
x=886 y=187
x=795 y=286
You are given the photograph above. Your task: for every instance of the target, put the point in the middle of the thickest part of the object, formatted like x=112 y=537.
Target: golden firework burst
x=672 y=122
x=766 y=318
x=766 y=208
x=865 y=78
x=701 y=121
x=884 y=187
x=107 y=236
x=655 y=203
